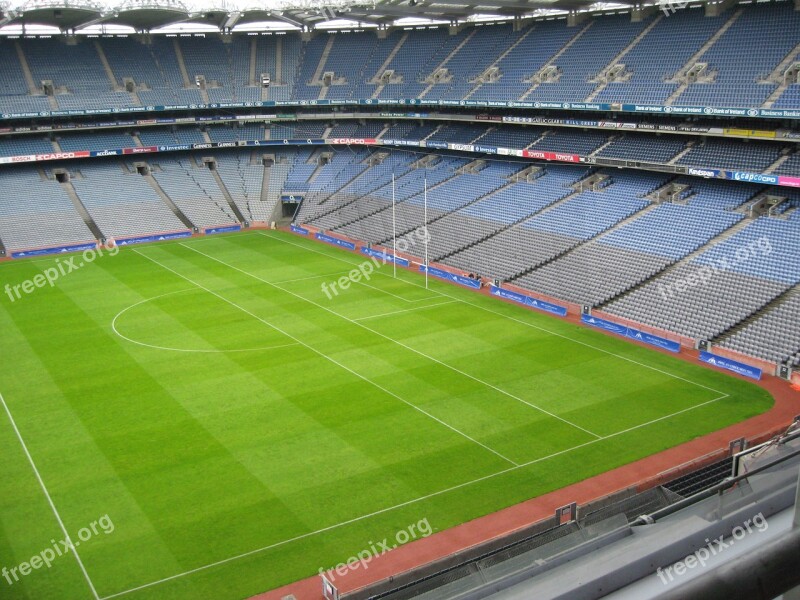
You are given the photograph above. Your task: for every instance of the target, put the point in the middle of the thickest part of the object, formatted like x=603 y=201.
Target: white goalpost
x=425 y=226
x=394 y=231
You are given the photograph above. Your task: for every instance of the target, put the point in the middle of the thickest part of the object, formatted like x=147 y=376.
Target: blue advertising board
x=459 y=279
x=154 y=238
x=288 y=142
x=548 y=307
x=605 y=325
x=486 y=149
x=300 y=230
x=653 y=340
x=754 y=177
x=335 y=241
x=731 y=365
x=630 y=332
x=225 y=229
x=55 y=250
x=385 y=257
x=705 y=172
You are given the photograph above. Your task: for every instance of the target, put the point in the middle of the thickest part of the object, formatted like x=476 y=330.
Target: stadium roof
x=110 y=16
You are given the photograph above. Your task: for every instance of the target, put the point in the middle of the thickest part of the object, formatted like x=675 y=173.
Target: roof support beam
x=292 y=21
x=399 y=12
x=521 y=5
x=233 y=18
x=97 y=21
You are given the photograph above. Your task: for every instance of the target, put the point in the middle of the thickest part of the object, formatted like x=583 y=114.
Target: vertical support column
x=796 y=520
x=795 y=593
x=640 y=13
x=574 y=18
x=567 y=514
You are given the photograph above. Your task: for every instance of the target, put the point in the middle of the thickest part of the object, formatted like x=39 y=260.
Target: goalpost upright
x=394 y=232
x=425 y=226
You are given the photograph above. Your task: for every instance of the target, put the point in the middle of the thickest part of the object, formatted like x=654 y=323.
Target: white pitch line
x=385 y=292
x=191 y=350
x=50 y=500
x=349 y=263
x=339 y=274
x=622 y=432
x=313 y=277
x=310 y=534
x=399 y=343
x=28 y=261
x=397 y=312
x=401 y=505
x=314 y=250
x=625 y=358
x=667 y=416
x=514 y=319
x=328 y=358
x=377 y=289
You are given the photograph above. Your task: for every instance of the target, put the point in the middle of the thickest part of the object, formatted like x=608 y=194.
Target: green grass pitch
x=242 y=430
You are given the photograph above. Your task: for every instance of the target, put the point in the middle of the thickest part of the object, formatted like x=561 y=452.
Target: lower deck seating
x=629 y=255
x=244 y=181
x=194 y=191
x=704 y=297
x=773 y=336
x=122 y=203
x=36 y=212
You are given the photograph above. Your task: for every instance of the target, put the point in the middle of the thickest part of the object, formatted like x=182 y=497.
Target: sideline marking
x=49 y=499
x=401 y=505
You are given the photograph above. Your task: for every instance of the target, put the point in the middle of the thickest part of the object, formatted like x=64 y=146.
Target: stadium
x=436 y=299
